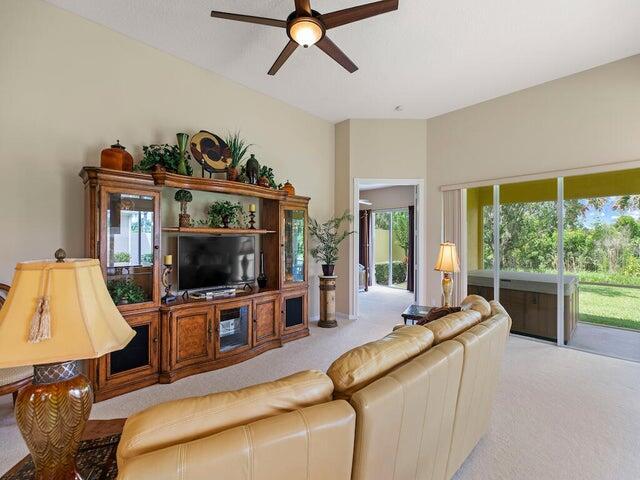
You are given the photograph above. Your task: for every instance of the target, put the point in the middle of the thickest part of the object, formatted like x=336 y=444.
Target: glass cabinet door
x=295 y=228
x=129 y=252
x=233 y=328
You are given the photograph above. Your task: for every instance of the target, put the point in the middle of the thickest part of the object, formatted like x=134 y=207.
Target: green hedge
x=399 y=274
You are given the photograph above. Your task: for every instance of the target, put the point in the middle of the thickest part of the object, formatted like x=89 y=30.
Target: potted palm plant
x=328 y=237
x=238 y=148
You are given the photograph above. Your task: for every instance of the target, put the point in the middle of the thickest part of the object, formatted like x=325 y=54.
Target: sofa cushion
x=188 y=419
x=454 y=324
x=477 y=303
x=359 y=367
x=313 y=443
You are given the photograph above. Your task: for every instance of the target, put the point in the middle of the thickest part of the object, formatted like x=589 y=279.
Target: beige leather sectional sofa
x=411 y=405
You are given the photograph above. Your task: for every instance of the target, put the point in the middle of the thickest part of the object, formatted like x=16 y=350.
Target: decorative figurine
x=168 y=268
x=252 y=216
x=253 y=169
x=184 y=197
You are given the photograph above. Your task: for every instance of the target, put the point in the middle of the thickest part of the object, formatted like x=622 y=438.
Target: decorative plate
x=210 y=151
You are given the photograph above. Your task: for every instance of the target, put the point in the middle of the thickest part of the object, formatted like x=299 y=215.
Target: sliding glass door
x=563 y=256
x=391 y=247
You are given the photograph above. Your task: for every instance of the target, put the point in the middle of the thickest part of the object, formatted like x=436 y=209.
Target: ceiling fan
x=307 y=27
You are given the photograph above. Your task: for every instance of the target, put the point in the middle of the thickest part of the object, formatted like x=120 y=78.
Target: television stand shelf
x=217 y=231
x=124 y=229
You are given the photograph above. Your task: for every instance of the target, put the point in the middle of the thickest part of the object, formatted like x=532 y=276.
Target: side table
x=415 y=313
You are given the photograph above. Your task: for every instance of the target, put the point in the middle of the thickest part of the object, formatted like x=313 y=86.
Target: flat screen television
x=215 y=262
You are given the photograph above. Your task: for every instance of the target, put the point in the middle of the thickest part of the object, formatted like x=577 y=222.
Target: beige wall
x=591 y=118
x=400 y=196
x=69 y=87
x=373 y=149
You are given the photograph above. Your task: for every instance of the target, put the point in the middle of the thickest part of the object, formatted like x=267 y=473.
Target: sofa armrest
x=313 y=442
x=188 y=419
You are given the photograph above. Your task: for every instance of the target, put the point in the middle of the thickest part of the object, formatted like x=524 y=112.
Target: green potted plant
x=125 y=291
x=267 y=178
x=165 y=155
x=225 y=213
x=184 y=197
x=238 y=148
x=328 y=237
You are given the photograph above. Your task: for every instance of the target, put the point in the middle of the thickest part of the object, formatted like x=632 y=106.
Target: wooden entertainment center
x=188 y=336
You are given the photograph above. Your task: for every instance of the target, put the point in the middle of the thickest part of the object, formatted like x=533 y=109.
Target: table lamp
x=57 y=312
x=447 y=263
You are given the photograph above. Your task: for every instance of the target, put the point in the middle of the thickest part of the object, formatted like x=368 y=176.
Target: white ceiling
x=431 y=56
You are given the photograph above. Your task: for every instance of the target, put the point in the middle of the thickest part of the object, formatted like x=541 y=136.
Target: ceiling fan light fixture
x=306 y=31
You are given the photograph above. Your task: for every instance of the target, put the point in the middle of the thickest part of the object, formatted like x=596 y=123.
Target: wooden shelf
x=166 y=179
x=217 y=231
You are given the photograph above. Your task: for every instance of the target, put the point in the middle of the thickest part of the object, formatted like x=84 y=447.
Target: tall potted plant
x=328 y=237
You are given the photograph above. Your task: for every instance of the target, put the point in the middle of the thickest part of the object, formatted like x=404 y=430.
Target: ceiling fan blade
x=303 y=7
x=272 y=22
x=353 y=14
x=331 y=49
x=284 y=55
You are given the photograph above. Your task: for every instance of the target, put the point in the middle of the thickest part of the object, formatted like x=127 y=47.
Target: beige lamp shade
x=69 y=306
x=447 y=258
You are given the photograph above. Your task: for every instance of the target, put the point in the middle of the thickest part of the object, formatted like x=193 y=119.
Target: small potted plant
x=124 y=292
x=328 y=238
x=184 y=197
x=267 y=178
x=168 y=156
x=238 y=148
x=225 y=213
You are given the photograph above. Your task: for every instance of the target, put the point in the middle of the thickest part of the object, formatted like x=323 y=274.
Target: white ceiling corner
x=430 y=56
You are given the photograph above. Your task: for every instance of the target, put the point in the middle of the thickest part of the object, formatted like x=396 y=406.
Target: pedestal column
x=327 y=302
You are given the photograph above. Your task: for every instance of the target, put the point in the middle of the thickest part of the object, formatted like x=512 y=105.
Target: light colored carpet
x=559 y=413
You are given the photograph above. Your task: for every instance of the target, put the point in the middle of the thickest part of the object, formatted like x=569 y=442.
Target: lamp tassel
x=40 y=322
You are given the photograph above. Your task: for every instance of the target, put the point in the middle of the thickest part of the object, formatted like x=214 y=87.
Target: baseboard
x=339 y=316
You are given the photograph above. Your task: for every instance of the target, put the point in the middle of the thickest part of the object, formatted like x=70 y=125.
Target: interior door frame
x=420 y=236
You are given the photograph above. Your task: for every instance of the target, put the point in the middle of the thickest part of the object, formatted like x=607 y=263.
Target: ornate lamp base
x=51 y=414
x=447 y=289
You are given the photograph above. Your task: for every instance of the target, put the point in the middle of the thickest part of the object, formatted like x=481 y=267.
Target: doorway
x=386 y=247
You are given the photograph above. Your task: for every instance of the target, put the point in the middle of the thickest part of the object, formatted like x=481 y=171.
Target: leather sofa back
x=447 y=327
x=477 y=303
x=405 y=419
x=314 y=443
x=188 y=419
x=484 y=347
x=362 y=365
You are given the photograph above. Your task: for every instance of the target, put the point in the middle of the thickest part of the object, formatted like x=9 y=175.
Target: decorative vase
x=116 y=158
x=262 y=278
x=327 y=270
x=253 y=169
x=225 y=221
x=232 y=174
x=289 y=188
x=263 y=182
x=183 y=138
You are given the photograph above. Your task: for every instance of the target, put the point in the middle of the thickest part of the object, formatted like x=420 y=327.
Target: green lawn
x=614 y=306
